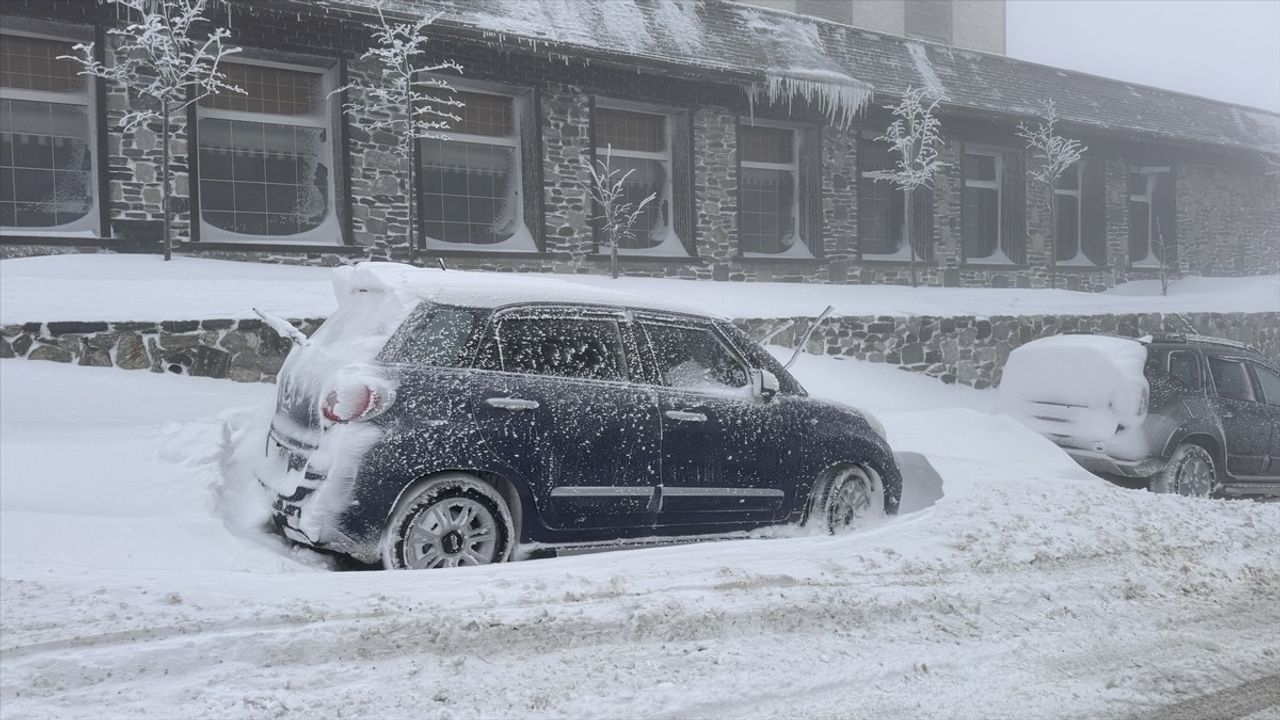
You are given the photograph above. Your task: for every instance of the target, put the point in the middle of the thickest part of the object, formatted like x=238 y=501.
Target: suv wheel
x=853 y=500
x=448 y=522
x=1190 y=472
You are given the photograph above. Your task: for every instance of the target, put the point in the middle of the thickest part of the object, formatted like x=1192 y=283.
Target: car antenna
x=807 y=334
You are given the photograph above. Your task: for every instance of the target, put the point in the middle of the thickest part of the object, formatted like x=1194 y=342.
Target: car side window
x=1183 y=366
x=1270 y=383
x=1231 y=378
x=693 y=358
x=585 y=348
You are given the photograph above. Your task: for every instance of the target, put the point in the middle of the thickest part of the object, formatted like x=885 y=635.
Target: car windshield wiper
x=283 y=327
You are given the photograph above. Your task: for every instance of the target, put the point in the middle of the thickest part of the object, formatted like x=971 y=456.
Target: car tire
x=853 y=499
x=1190 y=472
x=449 y=521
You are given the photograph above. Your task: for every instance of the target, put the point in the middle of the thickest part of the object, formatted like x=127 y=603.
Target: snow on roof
x=777 y=55
x=487 y=290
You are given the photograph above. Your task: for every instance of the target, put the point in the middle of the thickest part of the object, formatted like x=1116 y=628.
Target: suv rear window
x=1183 y=366
x=1231 y=378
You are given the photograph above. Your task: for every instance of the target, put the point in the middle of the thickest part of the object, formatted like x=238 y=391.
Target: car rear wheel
x=854 y=499
x=1190 y=472
x=451 y=521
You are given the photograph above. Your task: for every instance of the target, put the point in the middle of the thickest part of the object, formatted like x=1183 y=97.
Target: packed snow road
x=135 y=583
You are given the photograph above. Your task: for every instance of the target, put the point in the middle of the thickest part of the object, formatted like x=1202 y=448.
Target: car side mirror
x=764 y=384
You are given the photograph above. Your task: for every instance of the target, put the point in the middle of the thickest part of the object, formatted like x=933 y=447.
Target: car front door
x=1246 y=423
x=557 y=408
x=1269 y=387
x=719 y=442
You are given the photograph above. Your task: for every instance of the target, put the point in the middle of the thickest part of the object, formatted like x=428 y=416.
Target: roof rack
x=1204 y=339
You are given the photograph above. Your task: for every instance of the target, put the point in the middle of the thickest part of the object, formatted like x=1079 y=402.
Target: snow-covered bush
x=166 y=56
x=607 y=188
x=1055 y=155
x=914 y=138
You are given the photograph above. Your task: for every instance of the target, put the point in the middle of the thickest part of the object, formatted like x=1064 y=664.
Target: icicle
x=839 y=101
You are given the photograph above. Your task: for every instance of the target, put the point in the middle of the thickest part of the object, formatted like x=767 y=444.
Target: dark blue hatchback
x=438 y=420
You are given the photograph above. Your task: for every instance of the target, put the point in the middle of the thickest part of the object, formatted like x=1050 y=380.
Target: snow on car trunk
x=1081 y=391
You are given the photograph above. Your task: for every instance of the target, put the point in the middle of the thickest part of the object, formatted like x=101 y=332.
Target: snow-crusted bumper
x=1102 y=464
x=308 y=496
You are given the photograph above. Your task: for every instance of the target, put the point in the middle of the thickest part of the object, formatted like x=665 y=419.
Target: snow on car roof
x=487 y=290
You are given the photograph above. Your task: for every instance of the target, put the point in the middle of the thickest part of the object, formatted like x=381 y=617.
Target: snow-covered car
x=438 y=419
x=1178 y=413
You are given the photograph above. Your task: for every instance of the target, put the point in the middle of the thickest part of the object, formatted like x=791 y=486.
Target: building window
x=266 y=157
x=1066 y=192
x=46 y=141
x=639 y=143
x=470 y=182
x=1151 y=218
x=928 y=20
x=983 y=235
x=768 y=206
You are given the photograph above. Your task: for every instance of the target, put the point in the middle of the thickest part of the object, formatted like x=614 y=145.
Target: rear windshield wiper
x=283 y=327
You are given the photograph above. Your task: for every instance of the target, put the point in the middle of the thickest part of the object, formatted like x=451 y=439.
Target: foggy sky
x=1223 y=49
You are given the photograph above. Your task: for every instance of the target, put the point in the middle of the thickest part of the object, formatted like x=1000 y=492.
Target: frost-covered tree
x=617 y=215
x=1054 y=155
x=914 y=139
x=408 y=100
x=169 y=54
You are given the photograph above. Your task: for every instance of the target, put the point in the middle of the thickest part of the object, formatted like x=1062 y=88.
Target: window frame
x=673 y=247
x=1148 y=197
x=92 y=224
x=654 y=375
x=904 y=251
x=516 y=242
x=800 y=245
x=1255 y=372
x=1081 y=258
x=327 y=117
x=1248 y=377
x=1195 y=363
x=999 y=255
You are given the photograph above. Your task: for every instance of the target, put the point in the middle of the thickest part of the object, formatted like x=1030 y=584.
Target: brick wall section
x=1229 y=213
x=966 y=350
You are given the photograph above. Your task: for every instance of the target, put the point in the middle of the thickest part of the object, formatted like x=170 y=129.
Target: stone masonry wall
x=966 y=350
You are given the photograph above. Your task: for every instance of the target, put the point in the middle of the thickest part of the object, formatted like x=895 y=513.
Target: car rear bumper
x=1103 y=464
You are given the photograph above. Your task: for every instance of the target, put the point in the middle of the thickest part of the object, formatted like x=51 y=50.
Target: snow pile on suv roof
x=483 y=290
x=1086 y=391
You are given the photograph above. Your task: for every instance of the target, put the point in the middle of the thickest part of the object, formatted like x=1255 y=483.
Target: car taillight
x=356 y=396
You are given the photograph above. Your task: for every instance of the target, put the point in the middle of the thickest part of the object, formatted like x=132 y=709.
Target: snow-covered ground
x=128 y=586
x=143 y=287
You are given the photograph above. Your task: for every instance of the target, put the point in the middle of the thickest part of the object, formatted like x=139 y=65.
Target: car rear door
x=1246 y=422
x=720 y=444
x=1268 y=382
x=557 y=409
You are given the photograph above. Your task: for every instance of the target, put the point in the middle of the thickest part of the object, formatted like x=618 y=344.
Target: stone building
x=968 y=24
x=755 y=129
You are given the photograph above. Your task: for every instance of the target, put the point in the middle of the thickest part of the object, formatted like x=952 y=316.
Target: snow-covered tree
x=618 y=215
x=408 y=100
x=169 y=54
x=1054 y=155
x=914 y=140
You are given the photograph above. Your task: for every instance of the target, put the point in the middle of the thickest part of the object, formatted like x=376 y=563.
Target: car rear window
x=434 y=335
x=1183 y=366
x=1231 y=378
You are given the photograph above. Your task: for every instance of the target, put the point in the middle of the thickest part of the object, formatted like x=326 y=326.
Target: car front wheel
x=854 y=499
x=1190 y=472
x=451 y=521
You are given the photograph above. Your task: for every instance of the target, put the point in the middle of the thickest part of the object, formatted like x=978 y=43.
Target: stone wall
x=966 y=350
x=972 y=351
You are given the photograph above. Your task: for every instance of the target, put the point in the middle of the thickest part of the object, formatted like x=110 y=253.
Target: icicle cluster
x=839 y=101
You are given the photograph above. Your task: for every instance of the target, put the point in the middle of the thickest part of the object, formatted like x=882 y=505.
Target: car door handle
x=686 y=416
x=510 y=403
